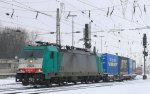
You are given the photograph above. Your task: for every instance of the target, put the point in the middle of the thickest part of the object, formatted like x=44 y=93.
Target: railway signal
x=145 y=53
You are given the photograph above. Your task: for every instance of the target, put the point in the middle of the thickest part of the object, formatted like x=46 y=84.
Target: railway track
x=12 y=87
x=17 y=88
x=31 y=90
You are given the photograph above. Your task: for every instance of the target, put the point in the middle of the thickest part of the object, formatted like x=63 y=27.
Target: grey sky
x=107 y=16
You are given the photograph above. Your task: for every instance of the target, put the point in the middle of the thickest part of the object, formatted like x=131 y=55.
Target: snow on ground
x=140 y=87
x=7 y=81
x=137 y=86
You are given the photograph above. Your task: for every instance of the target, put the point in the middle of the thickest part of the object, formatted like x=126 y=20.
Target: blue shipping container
x=130 y=66
x=110 y=63
x=123 y=65
x=134 y=67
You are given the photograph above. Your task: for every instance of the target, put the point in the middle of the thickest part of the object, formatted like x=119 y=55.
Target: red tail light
x=30 y=70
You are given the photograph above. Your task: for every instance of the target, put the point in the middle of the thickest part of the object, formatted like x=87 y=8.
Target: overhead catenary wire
x=98 y=8
x=37 y=13
x=23 y=25
x=49 y=31
x=137 y=23
x=95 y=8
x=38 y=2
x=35 y=26
x=105 y=11
x=28 y=8
x=109 y=30
x=112 y=30
x=86 y=10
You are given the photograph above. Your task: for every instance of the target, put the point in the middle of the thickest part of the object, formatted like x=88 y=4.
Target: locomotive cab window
x=32 y=54
x=51 y=55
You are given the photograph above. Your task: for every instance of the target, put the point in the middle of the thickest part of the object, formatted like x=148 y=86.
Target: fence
x=8 y=67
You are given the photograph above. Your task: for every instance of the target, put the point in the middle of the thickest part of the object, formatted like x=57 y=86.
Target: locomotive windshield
x=33 y=53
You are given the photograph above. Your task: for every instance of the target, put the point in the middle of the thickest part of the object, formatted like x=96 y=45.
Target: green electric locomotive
x=49 y=64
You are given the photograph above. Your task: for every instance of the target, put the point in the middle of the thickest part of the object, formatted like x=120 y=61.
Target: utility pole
x=58 y=41
x=145 y=53
x=72 y=27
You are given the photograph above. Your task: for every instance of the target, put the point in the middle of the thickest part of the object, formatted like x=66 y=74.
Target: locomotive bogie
x=30 y=78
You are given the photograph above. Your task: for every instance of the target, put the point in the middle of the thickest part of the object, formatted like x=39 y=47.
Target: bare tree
x=11 y=42
x=32 y=36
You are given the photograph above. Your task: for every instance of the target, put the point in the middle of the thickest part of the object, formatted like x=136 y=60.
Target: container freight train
x=51 y=64
x=117 y=68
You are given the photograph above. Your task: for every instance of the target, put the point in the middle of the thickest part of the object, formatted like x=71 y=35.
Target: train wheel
x=82 y=82
x=25 y=83
x=35 y=86
x=60 y=84
x=95 y=81
x=86 y=82
x=48 y=85
x=65 y=83
x=75 y=82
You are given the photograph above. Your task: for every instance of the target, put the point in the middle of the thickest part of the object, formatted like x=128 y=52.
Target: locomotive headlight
x=30 y=60
x=39 y=70
x=21 y=70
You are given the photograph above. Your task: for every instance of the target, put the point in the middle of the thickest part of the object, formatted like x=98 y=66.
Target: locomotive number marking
x=30 y=65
